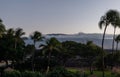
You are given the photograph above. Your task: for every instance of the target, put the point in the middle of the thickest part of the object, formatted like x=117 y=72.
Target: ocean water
x=96 y=38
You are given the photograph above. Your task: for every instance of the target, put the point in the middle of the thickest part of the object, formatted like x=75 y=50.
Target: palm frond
x=101 y=24
x=19 y=32
x=1 y=21
x=36 y=36
x=10 y=31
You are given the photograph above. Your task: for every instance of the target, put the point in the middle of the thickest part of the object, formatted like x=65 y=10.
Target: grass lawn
x=95 y=73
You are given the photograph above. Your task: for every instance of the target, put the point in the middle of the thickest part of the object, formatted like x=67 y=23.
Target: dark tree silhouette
x=117 y=39
x=36 y=36
x=51 y=45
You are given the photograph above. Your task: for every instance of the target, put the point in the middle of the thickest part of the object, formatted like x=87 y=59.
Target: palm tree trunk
x=49 y=58
x=116 y=46
x=113 y=40
x=113 y=47
x=103 y=74
x=15 y=44
x=33 y=58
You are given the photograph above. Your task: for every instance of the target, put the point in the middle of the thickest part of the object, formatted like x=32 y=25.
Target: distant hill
x=54 y=34
x=81 y=35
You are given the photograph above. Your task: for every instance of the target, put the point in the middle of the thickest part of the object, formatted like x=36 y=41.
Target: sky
x=56 y=16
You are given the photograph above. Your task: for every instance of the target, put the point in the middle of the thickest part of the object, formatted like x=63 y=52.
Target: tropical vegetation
x=54 y=58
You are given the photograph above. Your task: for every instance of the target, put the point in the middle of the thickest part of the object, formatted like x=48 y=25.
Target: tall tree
x=117 y=39
x=2 y=28
x=51 y=45
x=104 y=21
x=18 y=33
x=36 y=36
x=8 y=40
x=115 y=22
x=19 y=45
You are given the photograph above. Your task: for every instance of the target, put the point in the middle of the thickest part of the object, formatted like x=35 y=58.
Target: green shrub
x=62 y=72
x=57 y=72
x=31 y=74
x=12 y=74
x=117 y=75
x=23 y=74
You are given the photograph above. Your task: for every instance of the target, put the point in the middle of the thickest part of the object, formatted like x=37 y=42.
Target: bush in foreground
x=22 y=74
x=57 y=72
x=62 y=72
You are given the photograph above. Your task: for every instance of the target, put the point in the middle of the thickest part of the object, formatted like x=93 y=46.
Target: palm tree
x=36 y=36
x=18 y=33
x=117 y=39
x=2 y=28
x=51 y=45
x=116 y=25
x=115 y=22
x=18 y=41
x=9 y=40
x=10 y=32
x=104 y=21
